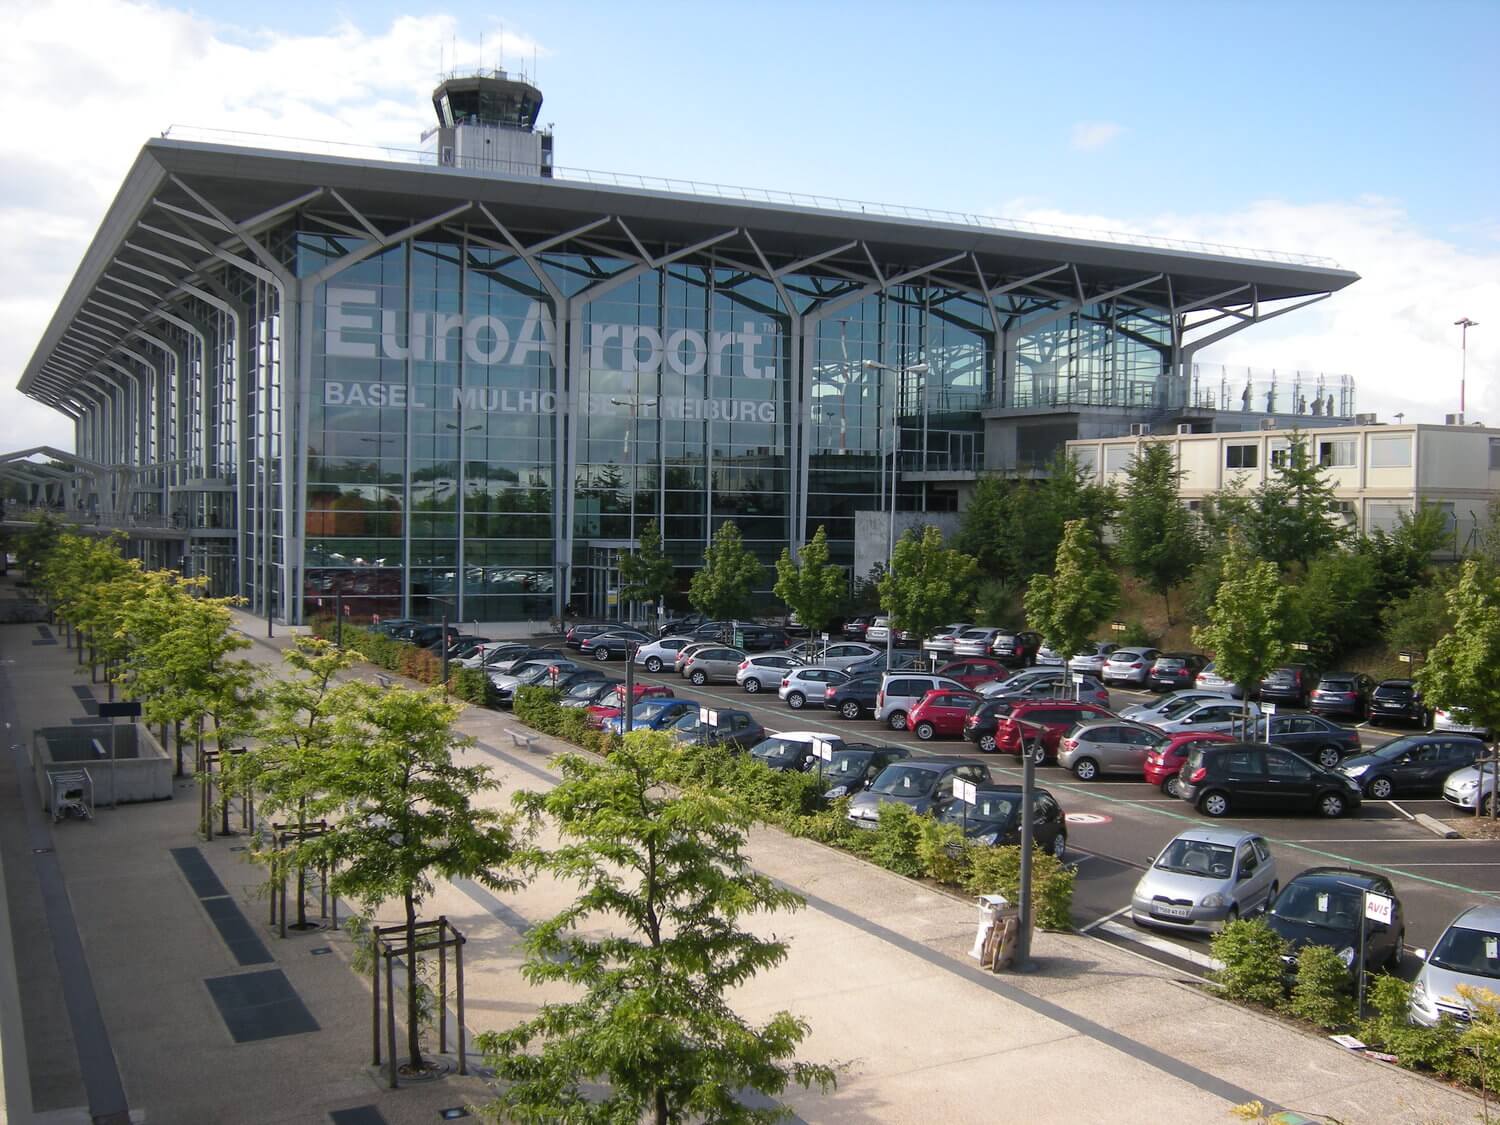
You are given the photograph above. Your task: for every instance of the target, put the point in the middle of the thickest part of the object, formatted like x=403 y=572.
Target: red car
x=940 y=712
x=1164 y=763
x=972 y=671
x=1053 y=717
x=608 y=706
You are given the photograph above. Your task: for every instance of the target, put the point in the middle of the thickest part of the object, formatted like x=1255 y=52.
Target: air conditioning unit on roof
x=1268 y=423
x=1364 y=420
x=1140 y=429
x=1184 y=427
x=1453 y=419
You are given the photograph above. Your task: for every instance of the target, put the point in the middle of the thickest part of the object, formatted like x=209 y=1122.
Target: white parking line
x=1161 y=945
x=1097 y=922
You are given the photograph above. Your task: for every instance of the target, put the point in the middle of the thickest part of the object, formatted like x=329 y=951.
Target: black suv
x=1016 y=648
x=1247 y=776
x=1291 y=683
x=1342 y=693
x=1398 y=700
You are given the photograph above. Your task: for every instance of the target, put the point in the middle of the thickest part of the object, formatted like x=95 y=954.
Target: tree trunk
x=301 y=870
x=177 y=742
x=1166 y=601
x=413 y=1021
x=661 y=1106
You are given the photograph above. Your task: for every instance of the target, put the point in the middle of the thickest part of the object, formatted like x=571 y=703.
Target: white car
x=879 y=631
x=1458 y=721
x=656 y=655
x=1129 y=666
x=1046 y=658
x=1471 y=786
x=941 y=642
x=803 y=686
x=764 y=669
x=1091 y=660
x=1169 y=705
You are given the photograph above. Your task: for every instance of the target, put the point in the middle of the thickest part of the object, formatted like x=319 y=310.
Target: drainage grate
x=260 y=1005
x=359 y=1115
x=321 y=950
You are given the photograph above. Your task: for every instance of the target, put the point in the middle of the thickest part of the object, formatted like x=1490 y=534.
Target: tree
x=927 y=584
x=1459 y=673
x=1336 y=608
x=646 y=574
x=1402 y=558
x=648 y=1019
x=402 y=812
x=1418 y=621
x=1294 y=514
x=1247 y=624
x=812 y=587
x=983 y=523
x=1069 y=604
x=1158 y=537
x=721 y=589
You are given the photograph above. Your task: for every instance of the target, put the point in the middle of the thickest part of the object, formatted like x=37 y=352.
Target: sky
x=1368 y=133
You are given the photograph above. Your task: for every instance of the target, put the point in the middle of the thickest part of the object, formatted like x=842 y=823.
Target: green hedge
x=406 y=659
x=902 y=841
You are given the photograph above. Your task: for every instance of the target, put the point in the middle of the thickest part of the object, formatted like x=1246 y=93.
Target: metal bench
x=72 y=794
x=383 y=681
x=522 y=741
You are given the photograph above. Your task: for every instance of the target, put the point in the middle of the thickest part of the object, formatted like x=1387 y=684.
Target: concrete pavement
x=879 y=967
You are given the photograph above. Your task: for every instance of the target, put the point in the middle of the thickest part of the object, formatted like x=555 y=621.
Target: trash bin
x=999 y=927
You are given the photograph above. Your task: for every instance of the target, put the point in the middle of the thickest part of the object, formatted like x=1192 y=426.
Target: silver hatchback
x=714 y=663
x=1108 y=746
x=1468 y=952
x=1204 y=879
x=1129 y=665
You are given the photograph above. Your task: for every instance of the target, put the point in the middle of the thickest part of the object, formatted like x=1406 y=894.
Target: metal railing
x=808 y=200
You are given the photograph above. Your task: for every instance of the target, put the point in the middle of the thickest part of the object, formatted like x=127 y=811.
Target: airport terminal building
x=460 y=380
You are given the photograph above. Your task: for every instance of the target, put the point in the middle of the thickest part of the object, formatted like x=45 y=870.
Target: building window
x=1385 y=515
x=1117 y=458
x=1088 y=459
x=1390 y=452
x=1241 y=456
x=1495 y=453
x=1336 y=454
x=1281 y=455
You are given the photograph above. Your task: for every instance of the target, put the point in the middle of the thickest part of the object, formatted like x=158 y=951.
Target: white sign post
x=822 y=750
x=966 y=791
x=708 y=717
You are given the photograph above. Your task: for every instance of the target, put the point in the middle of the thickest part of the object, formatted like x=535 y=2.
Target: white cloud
x=1087 y=135
x=1392 y=330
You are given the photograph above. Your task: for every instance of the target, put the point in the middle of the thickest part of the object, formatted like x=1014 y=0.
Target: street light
x=1463 y=324
x=890 y=532
x=627 y=705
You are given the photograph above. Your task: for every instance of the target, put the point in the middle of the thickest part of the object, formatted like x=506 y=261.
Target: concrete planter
x=137 y=770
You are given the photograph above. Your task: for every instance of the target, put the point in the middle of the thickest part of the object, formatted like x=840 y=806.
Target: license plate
x=1165 y=911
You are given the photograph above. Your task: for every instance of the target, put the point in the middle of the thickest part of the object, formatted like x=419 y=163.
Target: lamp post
x=627 y=705
x=890 y=532
x=1463 y=324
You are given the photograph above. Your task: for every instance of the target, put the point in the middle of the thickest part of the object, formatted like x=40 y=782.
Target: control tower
x=487 y=123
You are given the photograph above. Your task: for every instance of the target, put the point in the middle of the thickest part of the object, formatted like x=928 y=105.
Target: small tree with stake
x=1067 y=605
x=648 y=1019
x=646 y=574
x=927 y=584
x=721 y=588
x=1159 y=539
x=1247 y=623
x=812 y=587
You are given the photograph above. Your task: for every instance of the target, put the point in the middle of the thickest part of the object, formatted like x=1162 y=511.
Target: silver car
x=975 y=642
x=1204 y=879
x=1046 y=658
x=801 y=686
x=921 y=784
x=845 y=653
x=763 y=670
x=659 y=653
x=1170 y=706
x=687 y=650
x=1129 y=665
x=1221 y=715
x=713 y=663
x=1107 y=746
x=941 y=642
x=1210 y=680
x=1467 y=953
x=1091 y=659
x=1471 y=786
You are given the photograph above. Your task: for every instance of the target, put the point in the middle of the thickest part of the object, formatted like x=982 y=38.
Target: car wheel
x=752 y=685
x=700 y=678
x=1329 y=757
x=1331 y=805
x=987 y=743
x=1215 y=804
x=1060 y=845
x=1086 y=769
x=1036 y=752
x=1381 y=788
x=795 y=700
x=601 y=654
x=896 y=720
x=1232 y=916
x=849 y=709
x=924 y=731
x=653 y=664
x=1170 y=787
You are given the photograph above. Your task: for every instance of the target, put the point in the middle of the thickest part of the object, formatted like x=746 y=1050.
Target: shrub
x=1321 y=992
x=1250 y=952
x=471 y=685
x=896 y=836
x=829 y=826
x=942 y=851
x=997 y=870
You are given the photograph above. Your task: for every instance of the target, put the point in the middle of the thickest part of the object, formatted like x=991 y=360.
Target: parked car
x=754 y=638
x=901 y=691
x=762 y=670
x=941 y=713
x=1046 y=657
x=1249 y=776
x=1473 y=786
x=618 y=644
x=1168 y=706
x=465 y=646
x=1101 y=746
x=1458 y=721
x=995 y=818
x=1046 y=683
x=845 y=654
x=941 y=642
x=543 y=673
x=392 y=626
x=488 y=655
x=878 y=632
x=856 y=627
x=1173 y=671
x=1016 y=647
x=1325 y=905
x=1040 y=725
x=1092 y=658
x=793 y=749
x=577 y=634
x=1165 y=762
x=612 y=700
x=1341 y=693
x=1467 y=952
x=971 y=671
x=736 y=729
x=1291 y=683
x=918 y=783
x=1210 y=680
x=712 y=663
x=975 y=641
x=1313 y=737
x=899 y=662
x=855 y=697
x=801 y=686
x=431 y=636
x=1397 y=701
x=1211 y=714
x=1415 y=763
x=585 y=692
x=681 y=626
x=652 y=714
x=1205 y=878
x=655 y=655
x=1129 y=666
x=855 y=767
x=511 y=659
x=687 y=650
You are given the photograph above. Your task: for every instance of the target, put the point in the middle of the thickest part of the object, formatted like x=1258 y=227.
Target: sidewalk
x=878 y=967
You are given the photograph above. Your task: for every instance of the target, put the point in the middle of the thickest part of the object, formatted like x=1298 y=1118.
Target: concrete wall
x=140 y=769
x=872 y=528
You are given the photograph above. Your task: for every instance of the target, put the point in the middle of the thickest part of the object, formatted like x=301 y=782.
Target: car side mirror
x=1243 y=875
x=1419 y=954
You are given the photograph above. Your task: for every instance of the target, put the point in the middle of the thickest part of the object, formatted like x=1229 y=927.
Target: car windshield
x=989 y=809
x=779 y=748
x=848 y=762
x=643 y=711
x=1176 y=707
x=904 y=781
x=1197 y=857
x=582 y=690
x=1331 y=908
x=1468 y=951
x=1393 y=750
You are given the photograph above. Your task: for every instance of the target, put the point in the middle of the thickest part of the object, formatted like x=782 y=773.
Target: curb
x=1437 y=827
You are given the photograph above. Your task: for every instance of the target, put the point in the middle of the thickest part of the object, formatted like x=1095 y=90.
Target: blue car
x=654 y=714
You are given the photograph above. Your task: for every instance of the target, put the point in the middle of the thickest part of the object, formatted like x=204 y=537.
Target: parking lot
x=1116 y=826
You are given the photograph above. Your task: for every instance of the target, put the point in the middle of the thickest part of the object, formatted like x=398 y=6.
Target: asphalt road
x=1116 y=826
